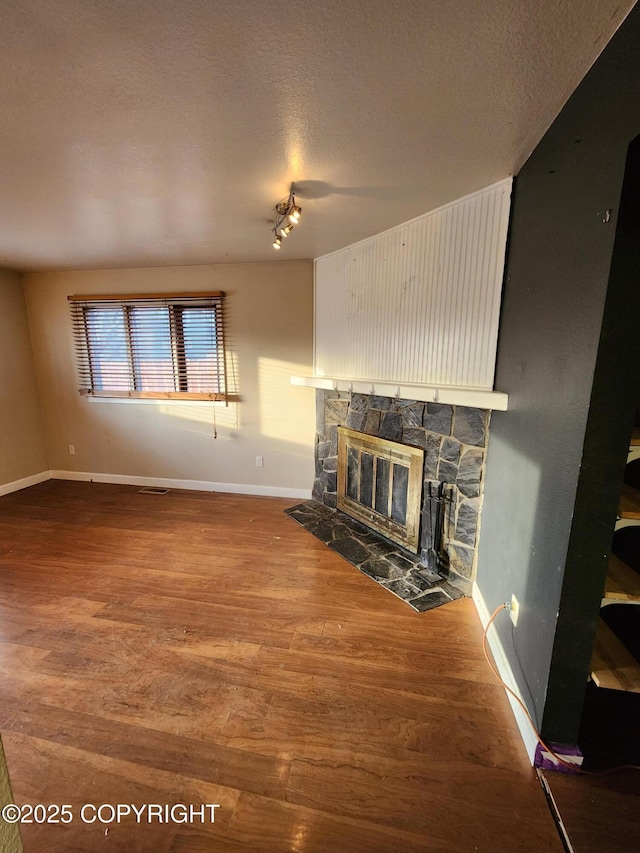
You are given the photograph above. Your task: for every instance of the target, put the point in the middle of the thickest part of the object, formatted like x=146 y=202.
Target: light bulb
x=277 y=243
x=286 y=230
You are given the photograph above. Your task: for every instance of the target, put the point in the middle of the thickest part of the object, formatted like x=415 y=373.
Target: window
x=150 y=346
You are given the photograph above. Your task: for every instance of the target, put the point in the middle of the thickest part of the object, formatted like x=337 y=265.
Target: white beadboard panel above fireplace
x=417 y=305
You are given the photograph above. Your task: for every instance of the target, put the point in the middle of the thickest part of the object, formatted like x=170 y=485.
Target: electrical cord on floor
x=574 y=767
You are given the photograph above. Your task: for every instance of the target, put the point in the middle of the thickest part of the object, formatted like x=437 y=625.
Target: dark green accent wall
x=557 y=278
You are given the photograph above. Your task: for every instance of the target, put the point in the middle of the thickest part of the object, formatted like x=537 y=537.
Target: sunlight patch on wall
x=281 y=415
x=225 y=417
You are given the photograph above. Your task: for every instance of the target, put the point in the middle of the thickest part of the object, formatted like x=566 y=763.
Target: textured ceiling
x=151 y=133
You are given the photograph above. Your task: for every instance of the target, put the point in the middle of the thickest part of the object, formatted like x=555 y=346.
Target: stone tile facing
x=372 y=422
x=395 y=569
x=382 y=403
x=470 y=472
x=403 y=588
x=333 y=440
x=467 y=522
x=317 y=491
x=359 y=403
x=450 y=450
x=349 y=548
x=391 y=426
x=470 y=425
x=356 y=420
x=437 y=418
x=417 y=436
x=453 y=438
x=432 y=456
x=461 y=559
x=336 y=411
x=330 y=463
x=412 y=414
x=380 y=570
x=449 y=457
x=447 y=471
x=322 y=449
x=434 y=598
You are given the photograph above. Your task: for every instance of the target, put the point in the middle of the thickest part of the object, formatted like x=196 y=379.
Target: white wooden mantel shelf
x=475 y=397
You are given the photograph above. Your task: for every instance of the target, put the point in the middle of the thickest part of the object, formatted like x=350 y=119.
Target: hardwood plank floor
x=203 y=648
x=600 y=813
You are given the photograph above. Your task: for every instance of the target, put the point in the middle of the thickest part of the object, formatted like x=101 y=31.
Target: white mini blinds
x=160 y=345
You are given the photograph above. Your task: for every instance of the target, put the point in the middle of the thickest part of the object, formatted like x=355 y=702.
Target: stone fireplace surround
x=454 y=439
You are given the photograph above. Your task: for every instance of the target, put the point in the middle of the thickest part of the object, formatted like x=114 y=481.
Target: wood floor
x=203 y=648
x=600 y=813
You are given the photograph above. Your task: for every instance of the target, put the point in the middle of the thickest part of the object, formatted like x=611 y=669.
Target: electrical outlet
x=259 y=462
x=514 y=611
x=72 y=450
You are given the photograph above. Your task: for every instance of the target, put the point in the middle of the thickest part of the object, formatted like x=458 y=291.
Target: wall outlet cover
x=514 y=610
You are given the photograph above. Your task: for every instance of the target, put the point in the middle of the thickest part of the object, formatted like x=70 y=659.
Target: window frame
x=176 y=303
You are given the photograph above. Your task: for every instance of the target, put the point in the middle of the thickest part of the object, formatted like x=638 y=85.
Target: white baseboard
x=506 y=673
x=197 y=485
x=24 y=483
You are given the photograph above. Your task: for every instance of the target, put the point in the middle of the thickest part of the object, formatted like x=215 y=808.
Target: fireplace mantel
x=473 y=397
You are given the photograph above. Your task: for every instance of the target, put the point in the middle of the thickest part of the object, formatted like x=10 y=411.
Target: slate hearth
x=384 y=562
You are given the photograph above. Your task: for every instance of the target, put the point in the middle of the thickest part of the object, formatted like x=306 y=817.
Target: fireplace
x=380 y=483
x=451 y=441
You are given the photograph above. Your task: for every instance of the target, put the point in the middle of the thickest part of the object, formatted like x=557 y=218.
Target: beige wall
x=22 y=445
x=269 y=309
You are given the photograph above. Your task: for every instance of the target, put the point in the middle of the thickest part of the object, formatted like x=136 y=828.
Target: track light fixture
x=287 y=214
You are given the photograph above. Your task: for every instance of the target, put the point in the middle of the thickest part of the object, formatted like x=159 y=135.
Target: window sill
x=157 y=395
x=154 y=399
x=136 y=401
